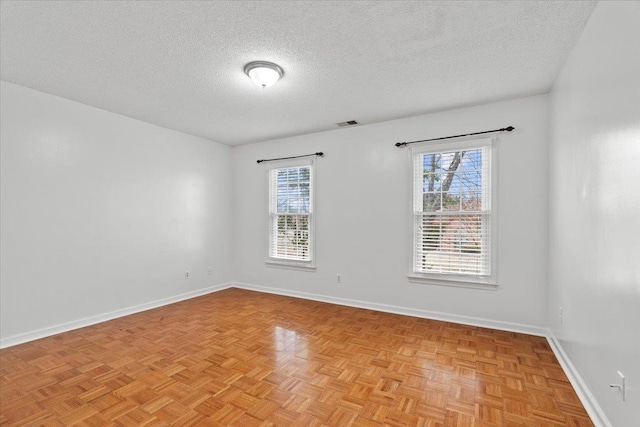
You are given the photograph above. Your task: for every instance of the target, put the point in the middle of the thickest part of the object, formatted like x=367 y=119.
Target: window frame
x=489 y=281
x=273 y=261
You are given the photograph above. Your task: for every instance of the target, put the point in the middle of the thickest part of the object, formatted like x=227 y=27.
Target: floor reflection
x=287 y=343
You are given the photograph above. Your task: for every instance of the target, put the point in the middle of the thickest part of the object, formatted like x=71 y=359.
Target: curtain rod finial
x=509 y=129
x=400 y=144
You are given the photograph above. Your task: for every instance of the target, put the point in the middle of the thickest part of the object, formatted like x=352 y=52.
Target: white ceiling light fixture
x=263 y=73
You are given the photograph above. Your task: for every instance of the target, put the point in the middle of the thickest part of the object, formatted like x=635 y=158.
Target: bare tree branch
x=430 y=199
x=455 y=162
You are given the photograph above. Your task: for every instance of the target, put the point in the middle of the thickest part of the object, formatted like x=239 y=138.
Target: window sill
x=290 y=265
x=453 y=282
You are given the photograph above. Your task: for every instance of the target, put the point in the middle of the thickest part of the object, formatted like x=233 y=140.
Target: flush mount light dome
x=263 y=73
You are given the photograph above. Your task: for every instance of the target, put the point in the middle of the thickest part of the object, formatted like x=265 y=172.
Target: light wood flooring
x=244 y=358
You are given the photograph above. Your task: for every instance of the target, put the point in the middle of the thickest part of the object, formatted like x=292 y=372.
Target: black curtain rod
x=320 y=153
x=507 y=129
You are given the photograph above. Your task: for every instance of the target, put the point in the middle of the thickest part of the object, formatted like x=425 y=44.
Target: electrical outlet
x=621 y=385
x=561 y=316
x=186 y=274
x=209 y=270
x=339 y=279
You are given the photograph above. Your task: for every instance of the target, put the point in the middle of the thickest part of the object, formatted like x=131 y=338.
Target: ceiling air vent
x=347 y=123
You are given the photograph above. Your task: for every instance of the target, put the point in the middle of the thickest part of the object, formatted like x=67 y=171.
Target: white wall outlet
x=339 y=278
x=209 y=270
x=561 y=316
x=186 y=274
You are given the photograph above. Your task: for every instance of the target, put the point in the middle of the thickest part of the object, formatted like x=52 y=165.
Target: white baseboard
x=92 y=320
x=387 y=308
x=584 y=394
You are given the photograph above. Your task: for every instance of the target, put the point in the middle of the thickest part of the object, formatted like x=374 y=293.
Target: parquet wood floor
x=250 y=359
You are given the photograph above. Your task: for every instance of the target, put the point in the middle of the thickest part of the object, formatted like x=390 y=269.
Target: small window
x=452 y=210
x=290 y=215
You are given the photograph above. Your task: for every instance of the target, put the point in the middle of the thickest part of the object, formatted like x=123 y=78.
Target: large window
x=453 y=211
x=290 y=214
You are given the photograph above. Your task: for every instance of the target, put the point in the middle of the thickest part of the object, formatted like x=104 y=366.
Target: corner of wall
x=587 y=398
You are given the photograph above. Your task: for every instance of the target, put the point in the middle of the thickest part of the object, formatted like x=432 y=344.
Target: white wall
x=595 y=207
x=363 y=214
x=101 y=212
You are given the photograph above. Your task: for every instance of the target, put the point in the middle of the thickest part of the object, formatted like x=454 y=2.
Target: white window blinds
x=452 y=210
x=290 y=210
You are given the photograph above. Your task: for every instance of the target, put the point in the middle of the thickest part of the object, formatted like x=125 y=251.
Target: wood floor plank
x=244 y=358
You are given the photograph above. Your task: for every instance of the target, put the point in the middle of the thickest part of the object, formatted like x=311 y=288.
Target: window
x=453 y=212
x=290 y=215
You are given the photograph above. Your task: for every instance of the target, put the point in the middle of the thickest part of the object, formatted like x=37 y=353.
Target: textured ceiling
x=179 y=64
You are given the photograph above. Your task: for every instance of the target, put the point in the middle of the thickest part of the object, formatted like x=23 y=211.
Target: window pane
x=305 y=204
x=451 y=202
x=432 y=201
x=472 y=160
x=431 y=163
x=471 y=180
x=450 y=161
x=292 y=174
x=472 y=201
x=282 y=198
